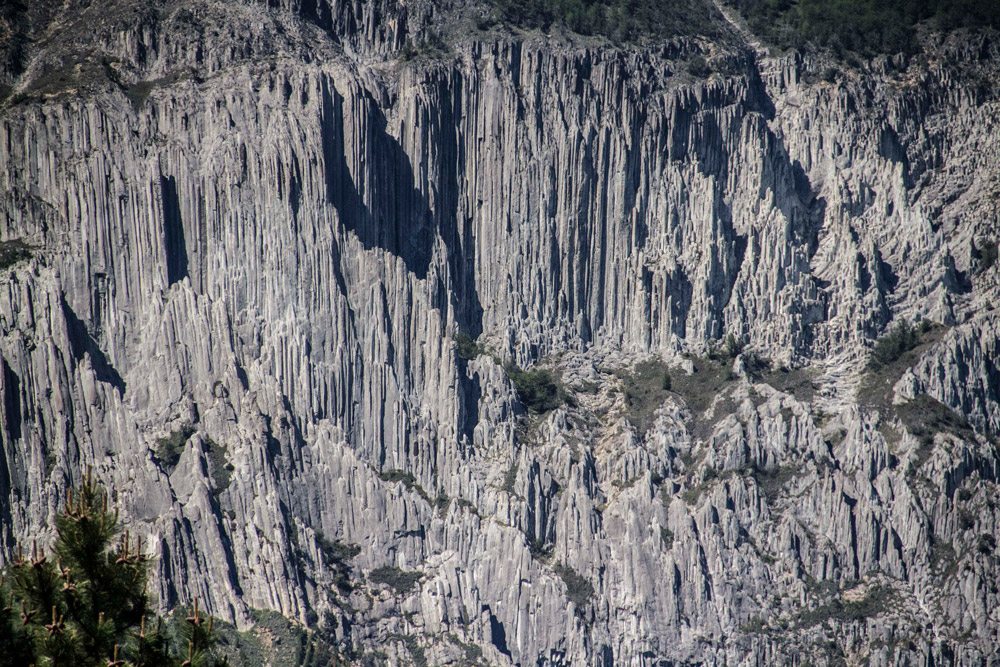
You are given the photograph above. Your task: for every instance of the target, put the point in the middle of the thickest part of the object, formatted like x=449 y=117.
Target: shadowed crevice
x=174 y=246
x=82 y=343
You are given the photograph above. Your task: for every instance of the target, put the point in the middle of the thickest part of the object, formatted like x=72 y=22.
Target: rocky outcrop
x=264 y=239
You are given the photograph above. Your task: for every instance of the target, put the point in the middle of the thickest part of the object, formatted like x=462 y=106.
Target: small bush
x=169 y=449
x=466 y=347
x=578 y=589
x=399 y=580
x=12 y=252
x=406 y=478
x=646 y=388
x=893 y=345
x=698 y=67
x=537 y=388
x=875 y=602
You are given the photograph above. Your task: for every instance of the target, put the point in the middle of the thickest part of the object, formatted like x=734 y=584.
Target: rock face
x=265 y=237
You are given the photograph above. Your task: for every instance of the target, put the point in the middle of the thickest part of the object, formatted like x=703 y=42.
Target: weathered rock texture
x=258 y=231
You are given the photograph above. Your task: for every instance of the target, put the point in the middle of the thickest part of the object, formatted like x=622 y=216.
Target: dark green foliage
x=867 y=27
x=442 y=501
x=924 y=417
x=169 y=449
x=891 y=359
x=536 y=388
x=406 y=478
x=700 y=389
x=274 y=640
x=666 y=537
x=874 y=603
x=646 y=388
x=86 y=604
x=772 y=482
x=337 y=556
x=893 y=345
x=698 y=67
x=578 y=589
x=619 y=20
x=399 y=580
x=12 y=252
x=466 y=347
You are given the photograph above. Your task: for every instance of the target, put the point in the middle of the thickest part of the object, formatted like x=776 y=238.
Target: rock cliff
x=287 y=258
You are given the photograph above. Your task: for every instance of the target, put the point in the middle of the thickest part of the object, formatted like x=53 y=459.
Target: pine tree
x=86 y=604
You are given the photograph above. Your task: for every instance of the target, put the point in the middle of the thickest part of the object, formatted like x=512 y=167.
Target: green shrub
x=399 y=580
x=893 y=345
x=169 y=449
x=698 y=67
x=536 y=388
x=406 y=478
x=578 y=589
x=12 y=252
x=875 y=602
x=466 y=347
x=867 y=27
x=618 y=20
x=646 y=388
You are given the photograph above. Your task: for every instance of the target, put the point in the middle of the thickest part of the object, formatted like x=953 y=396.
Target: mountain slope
x=287 y=261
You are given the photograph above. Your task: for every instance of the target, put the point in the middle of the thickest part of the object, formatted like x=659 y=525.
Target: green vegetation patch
x=168 y=449
x=924 y=417
x=876 y=601
x=866 y=27
x=219 y=466
x=578 y=589
x=773 y=482
x=799 y=382
x=892 y=354
x=407 y=479
x=699 y=390
x=12 y=252
x=618 y=20
x=467 y=347
x=536 y=388
x=273 y=640
x=399 y=580
x=646 y=388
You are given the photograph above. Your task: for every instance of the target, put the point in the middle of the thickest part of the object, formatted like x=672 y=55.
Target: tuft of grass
x=399 y=580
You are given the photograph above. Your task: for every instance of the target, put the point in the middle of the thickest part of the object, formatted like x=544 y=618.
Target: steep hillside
x=285 y=273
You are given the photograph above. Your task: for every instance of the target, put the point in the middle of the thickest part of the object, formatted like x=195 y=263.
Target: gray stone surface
x=258 y=232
